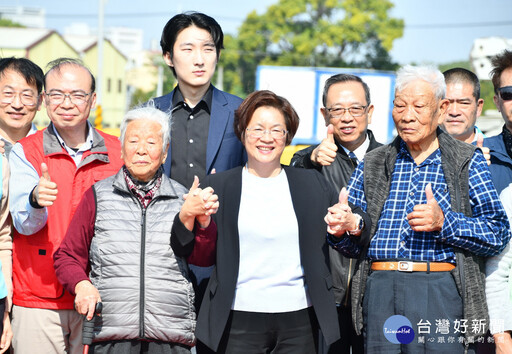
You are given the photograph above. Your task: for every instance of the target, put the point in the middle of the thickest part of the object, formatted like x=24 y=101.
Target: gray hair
x=57 y=64
x=345 y=78
x=430 y=74
x=149 y=112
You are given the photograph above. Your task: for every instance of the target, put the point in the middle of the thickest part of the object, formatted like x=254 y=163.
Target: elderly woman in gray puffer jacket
x=121 y=232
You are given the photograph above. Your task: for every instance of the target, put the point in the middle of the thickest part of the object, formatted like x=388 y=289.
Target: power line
x=237 y=19
x=459 y=25
x=133 y=15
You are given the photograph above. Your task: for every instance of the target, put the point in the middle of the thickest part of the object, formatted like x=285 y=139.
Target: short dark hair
x=184 y=20
x=30 y=71
x=265 y=98
x=500 y=63
x=57 y=64
x=461 y=75
x=345 y=78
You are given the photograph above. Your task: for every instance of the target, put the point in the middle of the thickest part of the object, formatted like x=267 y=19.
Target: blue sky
x=437 y=31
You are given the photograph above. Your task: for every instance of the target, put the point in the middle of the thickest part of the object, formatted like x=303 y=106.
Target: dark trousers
x=2 y=310
x=349 y=339
x=420 y=297
x=137 y=347
x=277 y=333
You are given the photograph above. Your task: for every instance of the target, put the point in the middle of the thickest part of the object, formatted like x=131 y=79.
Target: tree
x=5 y=22
x=344 y=33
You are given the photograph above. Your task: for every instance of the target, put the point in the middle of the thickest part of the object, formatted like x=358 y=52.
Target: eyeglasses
x=77 y=98
x=27 y=98
x=505 y=93
x=338 y=112
x=258 y=133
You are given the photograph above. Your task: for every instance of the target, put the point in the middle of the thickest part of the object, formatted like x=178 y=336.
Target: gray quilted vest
x=144 y=287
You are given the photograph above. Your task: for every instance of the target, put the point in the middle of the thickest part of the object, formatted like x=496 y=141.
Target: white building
x=26 y=16
x=127 y=40
x=482 y=52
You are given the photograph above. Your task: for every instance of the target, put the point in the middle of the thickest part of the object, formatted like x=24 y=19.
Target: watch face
x=360 y=225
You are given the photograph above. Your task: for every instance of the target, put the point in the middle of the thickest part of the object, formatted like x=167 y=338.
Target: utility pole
x=99 y=76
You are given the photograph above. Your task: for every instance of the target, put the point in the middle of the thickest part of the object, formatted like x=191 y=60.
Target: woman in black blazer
x=270 y=289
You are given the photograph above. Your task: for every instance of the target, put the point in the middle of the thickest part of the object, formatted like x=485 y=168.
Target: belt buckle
x=404 y=266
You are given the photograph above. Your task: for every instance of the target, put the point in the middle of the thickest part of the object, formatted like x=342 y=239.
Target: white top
x=270 y=275
x=498 y=283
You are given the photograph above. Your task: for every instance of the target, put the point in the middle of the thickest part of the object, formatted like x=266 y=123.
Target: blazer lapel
x=299 y=201
x=218 y=121
x=167 y=107
x=229 y=239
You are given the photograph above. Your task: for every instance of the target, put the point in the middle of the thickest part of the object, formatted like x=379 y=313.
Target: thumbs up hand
x=199 y=205
x=325 y=153
x=45 y=193
x=339 y=218
x=427 y=217
x=485 y=150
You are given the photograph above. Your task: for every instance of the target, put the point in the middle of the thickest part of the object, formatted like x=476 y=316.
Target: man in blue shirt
x=435 y=213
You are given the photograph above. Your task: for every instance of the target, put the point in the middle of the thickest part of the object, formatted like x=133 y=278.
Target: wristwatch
x=360 y=225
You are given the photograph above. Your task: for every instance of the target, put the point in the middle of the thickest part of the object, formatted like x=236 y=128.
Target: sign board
x=303 y=87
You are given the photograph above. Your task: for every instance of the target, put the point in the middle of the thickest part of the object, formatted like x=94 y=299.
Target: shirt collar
x=361 y=150
x=86 y=146
x=206 y=101
x=434 y=158
x=33 y=129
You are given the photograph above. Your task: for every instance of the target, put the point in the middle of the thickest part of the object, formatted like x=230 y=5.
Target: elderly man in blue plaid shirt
x=435 y=217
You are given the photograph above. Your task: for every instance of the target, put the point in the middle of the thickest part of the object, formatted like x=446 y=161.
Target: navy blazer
x=311 y=196
x=223 y=151
x=501 y=163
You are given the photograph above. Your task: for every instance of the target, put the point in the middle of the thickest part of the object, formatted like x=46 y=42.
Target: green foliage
x=4 y=22
x=320 y=33
x=140 y=96
x=487 y=93
x=456 y=64
x=229 y=60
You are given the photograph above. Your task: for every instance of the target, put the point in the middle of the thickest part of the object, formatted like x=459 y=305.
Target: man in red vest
x=50 y=171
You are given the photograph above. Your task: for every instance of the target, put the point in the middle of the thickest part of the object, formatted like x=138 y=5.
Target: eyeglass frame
x=68 y=95
x=250 y=133
x=344 y=110
x=19 y=94
x=508 y=90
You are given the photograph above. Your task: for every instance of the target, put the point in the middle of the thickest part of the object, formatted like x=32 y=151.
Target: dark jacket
x=223 y=150
x=469 y=274
x=501 y=163
x=311 y=196
x=338 y=174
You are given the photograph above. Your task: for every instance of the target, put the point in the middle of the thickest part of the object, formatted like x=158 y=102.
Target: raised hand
x=339 y=217
x=427 y=217
x=199 y=205
x=46 y=191
x=325 y=153
x=485 y=150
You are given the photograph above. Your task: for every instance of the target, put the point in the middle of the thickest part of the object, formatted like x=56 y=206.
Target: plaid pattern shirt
x=394 y=238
